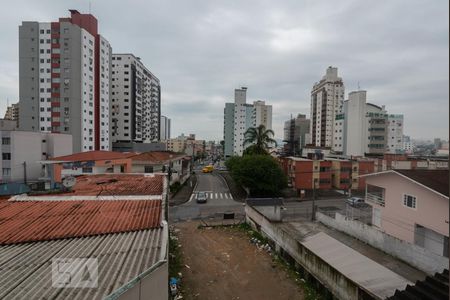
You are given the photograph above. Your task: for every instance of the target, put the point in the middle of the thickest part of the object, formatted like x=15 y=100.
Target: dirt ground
x=221 y=263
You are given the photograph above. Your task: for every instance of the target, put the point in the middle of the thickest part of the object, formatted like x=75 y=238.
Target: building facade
x=165 y=128
x=136 y=101
x=305 y=175
x=64 y=71
x=12 y=112
x=364 y=128
x=240 y=116
x=22 y=151
x=296 y=135
x=411 y=205
x=327 y=98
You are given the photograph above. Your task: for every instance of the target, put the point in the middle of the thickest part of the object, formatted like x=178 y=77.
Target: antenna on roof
x=89 y=7
x=359 y=88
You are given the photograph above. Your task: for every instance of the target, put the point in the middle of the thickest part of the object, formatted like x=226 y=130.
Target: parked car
x=201 y=197
x=355 y=201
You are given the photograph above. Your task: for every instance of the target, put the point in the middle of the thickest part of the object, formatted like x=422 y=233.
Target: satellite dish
x=69 y=181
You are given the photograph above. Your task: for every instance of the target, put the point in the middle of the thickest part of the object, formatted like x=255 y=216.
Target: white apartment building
x=136 y=101
x=408 y=145
x=23 y=150
x=165 y=128
x=64 y=71
x=364 y=128
x=327 y=98
x=239 y=116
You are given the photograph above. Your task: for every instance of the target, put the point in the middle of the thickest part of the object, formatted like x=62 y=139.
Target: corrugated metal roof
x=27 y=268
x=369 y=275
x=45 y=220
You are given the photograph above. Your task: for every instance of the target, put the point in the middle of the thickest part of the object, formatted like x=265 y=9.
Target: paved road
x=219 y=201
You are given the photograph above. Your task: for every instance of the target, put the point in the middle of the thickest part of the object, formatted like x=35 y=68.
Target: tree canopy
x=260 y=138
x=260 y=173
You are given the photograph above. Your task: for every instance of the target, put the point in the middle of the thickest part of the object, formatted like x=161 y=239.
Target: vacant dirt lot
x=221 y=263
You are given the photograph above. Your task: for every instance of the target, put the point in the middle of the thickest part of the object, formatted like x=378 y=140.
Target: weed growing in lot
x=310 y=292
x=175 y=259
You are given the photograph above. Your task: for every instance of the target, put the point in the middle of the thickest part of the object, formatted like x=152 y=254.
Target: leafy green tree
x=260 y=173
x=254 y=150
x=260 y=138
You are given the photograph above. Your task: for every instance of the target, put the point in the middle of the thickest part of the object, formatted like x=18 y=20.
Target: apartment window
x=148 y=169
x=6 y=171
x=6 y=141
x=409 y=201
x=87 y=170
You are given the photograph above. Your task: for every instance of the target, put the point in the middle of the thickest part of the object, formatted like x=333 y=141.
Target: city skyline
x=277 y=52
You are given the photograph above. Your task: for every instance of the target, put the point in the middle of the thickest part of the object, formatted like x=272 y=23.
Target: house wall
x=414 y=255
x=398 y=220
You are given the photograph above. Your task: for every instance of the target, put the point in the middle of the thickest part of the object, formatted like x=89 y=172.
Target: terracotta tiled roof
x=157 y=156
x=118 y=184
x=47 y=220
x=93 y=155
x=434 y=179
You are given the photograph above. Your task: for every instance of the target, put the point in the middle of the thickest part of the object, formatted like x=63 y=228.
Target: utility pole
x=25 y=172
x=313 y=214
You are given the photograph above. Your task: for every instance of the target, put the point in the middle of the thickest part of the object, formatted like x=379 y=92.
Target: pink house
x=411 y=205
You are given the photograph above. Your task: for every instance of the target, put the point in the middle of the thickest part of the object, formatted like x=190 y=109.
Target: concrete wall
x=414 y=255
x=153 y=286
x=340 y=286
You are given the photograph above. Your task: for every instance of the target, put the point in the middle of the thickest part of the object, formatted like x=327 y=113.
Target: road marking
x=211 y=195
x=220 y=195
x=217 y=196
x=226 y=195
x=231 y=197
x=192 y=197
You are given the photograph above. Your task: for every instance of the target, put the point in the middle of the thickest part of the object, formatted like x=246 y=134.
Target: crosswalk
x=212 y=196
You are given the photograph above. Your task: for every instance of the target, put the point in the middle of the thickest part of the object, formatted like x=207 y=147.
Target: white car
x=355 y=201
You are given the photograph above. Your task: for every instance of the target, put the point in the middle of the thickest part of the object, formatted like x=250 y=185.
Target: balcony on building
x=375 y=195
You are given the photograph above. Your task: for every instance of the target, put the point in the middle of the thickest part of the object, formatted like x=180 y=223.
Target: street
x=219 y=200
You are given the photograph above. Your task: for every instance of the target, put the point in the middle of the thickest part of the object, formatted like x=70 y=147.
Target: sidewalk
x=185 y=192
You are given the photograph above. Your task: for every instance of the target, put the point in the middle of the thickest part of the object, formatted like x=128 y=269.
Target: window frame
x=405 y=201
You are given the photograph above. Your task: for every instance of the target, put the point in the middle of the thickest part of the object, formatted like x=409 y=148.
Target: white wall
x=414 y=255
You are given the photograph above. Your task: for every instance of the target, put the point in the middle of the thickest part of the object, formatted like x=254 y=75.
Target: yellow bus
x=208 y=169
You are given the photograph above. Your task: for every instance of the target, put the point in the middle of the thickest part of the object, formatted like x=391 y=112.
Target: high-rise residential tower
x=64 y=71
x=12 y=112
x=296 y=135
x=240 y=116
x=136 y=101
x=365 y=128
x=165 y=128
x=327 y=97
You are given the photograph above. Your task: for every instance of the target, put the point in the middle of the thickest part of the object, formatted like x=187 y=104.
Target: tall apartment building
x=296 y=135
x=64 y=71
x=239 y=116
x=136 y=101
x=12 y=112
x=365 y=128
x=165 y=128
x=327 y=98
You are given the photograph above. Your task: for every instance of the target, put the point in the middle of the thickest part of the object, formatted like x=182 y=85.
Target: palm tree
x=260 y=138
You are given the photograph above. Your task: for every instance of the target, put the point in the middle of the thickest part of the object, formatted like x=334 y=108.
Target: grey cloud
x=202 y=50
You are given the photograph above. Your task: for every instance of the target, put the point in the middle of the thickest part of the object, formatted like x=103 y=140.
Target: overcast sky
x=202 y=50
